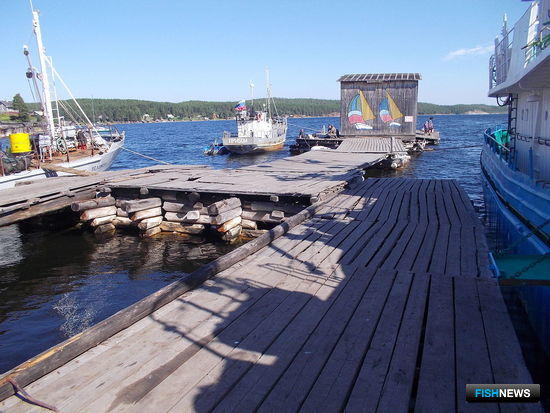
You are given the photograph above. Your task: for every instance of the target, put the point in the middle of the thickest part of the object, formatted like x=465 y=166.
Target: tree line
x=133 y=110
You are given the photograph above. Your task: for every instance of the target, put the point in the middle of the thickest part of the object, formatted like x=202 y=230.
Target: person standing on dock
x=429 y=125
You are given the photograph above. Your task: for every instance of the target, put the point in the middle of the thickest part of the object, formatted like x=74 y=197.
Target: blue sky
x=172 y=50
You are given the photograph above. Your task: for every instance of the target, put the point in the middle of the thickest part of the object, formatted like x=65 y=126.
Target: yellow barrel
x=20 y=143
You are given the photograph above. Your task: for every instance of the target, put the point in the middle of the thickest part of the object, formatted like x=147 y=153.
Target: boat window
x=546 y=115
x=522 y=114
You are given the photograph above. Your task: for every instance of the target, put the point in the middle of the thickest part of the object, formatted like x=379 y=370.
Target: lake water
x=54 y=284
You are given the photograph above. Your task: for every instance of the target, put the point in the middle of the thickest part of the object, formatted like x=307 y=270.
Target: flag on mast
x=240 y=106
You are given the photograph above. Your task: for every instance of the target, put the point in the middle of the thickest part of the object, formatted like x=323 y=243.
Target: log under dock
x=379 y=298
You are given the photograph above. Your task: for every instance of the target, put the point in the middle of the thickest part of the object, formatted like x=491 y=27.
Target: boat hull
x=254 y=148
x=246 y=144
x=504 y=192
x=96 y=163
x=520 y=202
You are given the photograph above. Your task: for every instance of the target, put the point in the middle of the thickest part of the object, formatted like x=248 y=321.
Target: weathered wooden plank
x=398 y=386
x=223 y=206
x=473 y=363
x=368 y=384
x=141 y=204
x=226 y=216
x=146 y=213
x=331 y=388
x=436 y=384
x=90 y=214
x=271 y=314
x=92 y=203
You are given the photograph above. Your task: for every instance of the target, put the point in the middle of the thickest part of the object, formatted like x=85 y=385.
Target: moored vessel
x=515 y=162
x=257 y=130
x=66 y=145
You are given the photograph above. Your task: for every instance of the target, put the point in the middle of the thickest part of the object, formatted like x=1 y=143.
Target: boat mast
x=251 y=93
x=47 y=103
x=268 y=90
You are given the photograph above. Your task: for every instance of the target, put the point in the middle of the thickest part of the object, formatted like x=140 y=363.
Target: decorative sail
x=389 y=111
x=359 y=112
x=365 y=108
x=394 y=110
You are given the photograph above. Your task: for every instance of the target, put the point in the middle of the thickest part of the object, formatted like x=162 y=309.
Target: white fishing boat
x=257 y=131
x=70 y=141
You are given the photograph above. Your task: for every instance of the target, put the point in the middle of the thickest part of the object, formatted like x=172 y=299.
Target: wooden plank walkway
x=314 y=174
x=371 y=145
x=381 y=302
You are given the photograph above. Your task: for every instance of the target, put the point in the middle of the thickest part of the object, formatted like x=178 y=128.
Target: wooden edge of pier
x=58 y=355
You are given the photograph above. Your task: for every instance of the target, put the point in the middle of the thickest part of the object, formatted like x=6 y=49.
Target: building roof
x=379 y=77
x=6 y=103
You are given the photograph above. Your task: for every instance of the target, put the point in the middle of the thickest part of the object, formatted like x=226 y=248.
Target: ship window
x=523 y=114
x=546 y=115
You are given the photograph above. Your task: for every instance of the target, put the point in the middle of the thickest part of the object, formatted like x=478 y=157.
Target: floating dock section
x=377 y=298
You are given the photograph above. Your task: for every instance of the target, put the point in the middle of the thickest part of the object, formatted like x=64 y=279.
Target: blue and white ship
x=515 y=162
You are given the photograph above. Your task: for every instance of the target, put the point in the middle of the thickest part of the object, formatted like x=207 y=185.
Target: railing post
x=531 y=166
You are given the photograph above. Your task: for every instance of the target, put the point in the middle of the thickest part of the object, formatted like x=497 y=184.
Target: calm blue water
x=53 y=285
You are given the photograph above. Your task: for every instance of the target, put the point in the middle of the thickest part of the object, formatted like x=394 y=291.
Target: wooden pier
x=309 y=176
x=376 y=299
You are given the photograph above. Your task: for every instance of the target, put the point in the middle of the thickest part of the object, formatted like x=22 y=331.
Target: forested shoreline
x=133 y=110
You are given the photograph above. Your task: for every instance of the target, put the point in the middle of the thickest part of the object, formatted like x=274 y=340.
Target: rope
x=519 y=240
x=28 y=398
x=460 y=147
x=145 y=156
x=531 y=265
x=303 y=127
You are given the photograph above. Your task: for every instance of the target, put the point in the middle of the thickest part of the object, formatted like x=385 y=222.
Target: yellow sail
x=394 y=110
x=365 y=108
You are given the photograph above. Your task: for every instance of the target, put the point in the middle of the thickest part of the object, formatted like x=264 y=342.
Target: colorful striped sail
x=359 y=112
x=389 y=111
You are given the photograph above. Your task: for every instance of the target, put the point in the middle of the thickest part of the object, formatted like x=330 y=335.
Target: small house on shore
x=379 y=104
x=6 y=107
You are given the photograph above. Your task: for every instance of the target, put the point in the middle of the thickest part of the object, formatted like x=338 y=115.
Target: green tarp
x=501 y=136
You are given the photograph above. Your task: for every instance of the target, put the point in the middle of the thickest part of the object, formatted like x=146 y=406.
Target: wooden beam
x=62 y=353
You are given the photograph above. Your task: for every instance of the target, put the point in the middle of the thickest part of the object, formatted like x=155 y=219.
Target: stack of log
x=122 y=218
x=145 y=214
x=185 y=217
x=99 y=213
x=265 y=212
x=225 y=217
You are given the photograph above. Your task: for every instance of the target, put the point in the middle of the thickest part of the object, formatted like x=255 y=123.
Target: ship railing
x=499 y=62
x=227 y=134
x=538 y=44
x=519 y=46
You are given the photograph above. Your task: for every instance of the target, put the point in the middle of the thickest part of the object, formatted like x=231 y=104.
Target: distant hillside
x=431 y=108
x=131 y=110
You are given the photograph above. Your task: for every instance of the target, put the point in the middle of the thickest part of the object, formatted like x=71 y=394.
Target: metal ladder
x=512 y=126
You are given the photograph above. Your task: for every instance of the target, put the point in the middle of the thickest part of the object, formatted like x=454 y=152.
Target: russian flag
x=240 y=106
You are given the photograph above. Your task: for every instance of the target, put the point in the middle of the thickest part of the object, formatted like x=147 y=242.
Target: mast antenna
x=251 y=92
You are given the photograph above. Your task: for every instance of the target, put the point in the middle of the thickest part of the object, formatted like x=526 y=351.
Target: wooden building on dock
x=379 y=104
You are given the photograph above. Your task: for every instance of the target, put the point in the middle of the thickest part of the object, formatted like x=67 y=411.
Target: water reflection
x=54 y=285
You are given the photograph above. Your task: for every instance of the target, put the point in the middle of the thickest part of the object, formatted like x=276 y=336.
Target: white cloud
x=474 y=51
